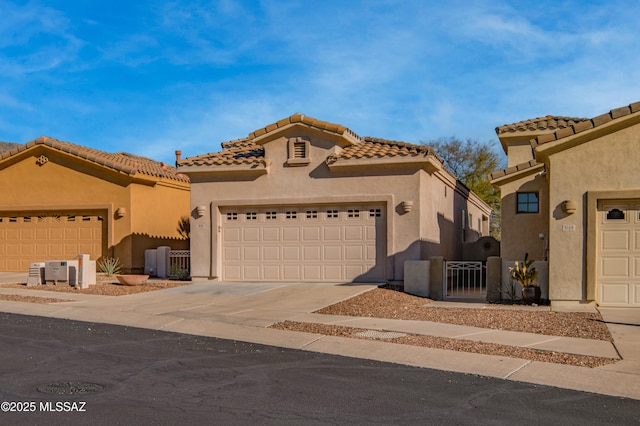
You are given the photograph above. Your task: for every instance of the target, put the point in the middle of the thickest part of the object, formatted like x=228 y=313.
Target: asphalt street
x=106 y=374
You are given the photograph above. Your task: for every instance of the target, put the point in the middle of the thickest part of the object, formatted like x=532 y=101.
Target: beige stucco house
x=307 y=200
x=58 y=200
x=571 y=193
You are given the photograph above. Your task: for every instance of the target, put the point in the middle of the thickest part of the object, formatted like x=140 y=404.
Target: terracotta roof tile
x=310 y=121
x=247 y=151
x=587 y=124
x=122 y=161
x=513 y=169
x=549 y=122
x=381 y=148
x=236 y=153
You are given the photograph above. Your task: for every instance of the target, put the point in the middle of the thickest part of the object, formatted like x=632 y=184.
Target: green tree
x=471 y=161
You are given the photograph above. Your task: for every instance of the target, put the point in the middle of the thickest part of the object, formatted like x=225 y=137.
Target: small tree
x=472 y=161
x=184 y=227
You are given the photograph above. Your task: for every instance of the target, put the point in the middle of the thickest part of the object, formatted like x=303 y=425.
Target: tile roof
x=248 y=151
x=121 y=161
x=587 y=124
x=236 y=153
x=513 y=169
x=309 y=121
x=549 y=122
x=569 y=130
x=380 y=148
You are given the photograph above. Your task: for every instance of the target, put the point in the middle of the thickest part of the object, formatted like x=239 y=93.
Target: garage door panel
x=615 y=293
x=308 y=243
x=291 y=234
x=312 y=273
x=618 y=254
x=312 y=253
x=271 y=235
x=291 y=253
x=615 y=240
x=272 y=273
x=332 y=252
x=311 y=233
x=353 y=253
x=231 y=235
x=332 y=233
x=251 y=235
x=251 y=254
x=251 y=272
x=615 y=267
x=233 y=272
x=271 y=253
x=291 y=272
x=232 y=253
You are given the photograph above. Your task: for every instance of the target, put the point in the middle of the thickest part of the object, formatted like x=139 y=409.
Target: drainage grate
x=374 y=334
x=70 y=388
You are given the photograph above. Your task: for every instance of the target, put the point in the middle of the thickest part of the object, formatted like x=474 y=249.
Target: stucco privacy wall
x=604 y=160
x=66 y=183
x=390 y=182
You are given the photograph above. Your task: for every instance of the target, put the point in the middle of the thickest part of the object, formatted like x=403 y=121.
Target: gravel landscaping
x=386 y=303
x=106 y=286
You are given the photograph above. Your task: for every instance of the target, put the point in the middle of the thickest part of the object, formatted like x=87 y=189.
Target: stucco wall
x=67 y=183
x=316 y=183
x=521 y=231
x=606 y=163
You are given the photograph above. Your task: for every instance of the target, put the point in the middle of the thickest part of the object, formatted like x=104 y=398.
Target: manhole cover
x=374 y=334
x=70 y=388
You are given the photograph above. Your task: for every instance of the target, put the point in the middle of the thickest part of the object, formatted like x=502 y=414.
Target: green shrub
x=176 y=272
x=110 y=266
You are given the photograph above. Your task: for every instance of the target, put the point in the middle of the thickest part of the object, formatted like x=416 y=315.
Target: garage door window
x=615 y=214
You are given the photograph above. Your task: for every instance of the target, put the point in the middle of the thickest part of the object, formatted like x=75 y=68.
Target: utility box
x=61 y=272
x=36 y=274
x=86 y=271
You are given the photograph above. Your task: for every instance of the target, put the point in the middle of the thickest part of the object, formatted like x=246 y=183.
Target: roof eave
x=259 y=168
x=429 y=163
x=506 y=176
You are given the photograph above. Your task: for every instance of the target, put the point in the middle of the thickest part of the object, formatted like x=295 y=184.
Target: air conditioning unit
x=36 y=274
x=61 y=271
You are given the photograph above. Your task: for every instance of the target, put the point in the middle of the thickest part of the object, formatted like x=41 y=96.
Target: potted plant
x=527 y=276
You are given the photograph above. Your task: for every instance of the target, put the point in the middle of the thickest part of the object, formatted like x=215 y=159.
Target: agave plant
x=110 y=266
x=524 y=272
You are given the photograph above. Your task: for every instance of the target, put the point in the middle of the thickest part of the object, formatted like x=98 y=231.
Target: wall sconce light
x=200 y=211
x=121 y=212
x=569 y=206
x=407 y=206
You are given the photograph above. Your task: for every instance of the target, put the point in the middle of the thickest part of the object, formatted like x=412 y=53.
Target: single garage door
x=304 y=243
x=40 y=236
x=618 y=254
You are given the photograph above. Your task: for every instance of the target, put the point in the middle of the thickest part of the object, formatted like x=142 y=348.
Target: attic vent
x=298 y=152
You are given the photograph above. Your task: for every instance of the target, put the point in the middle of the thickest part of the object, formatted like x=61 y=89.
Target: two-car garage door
x=29 y=237
x=303 y=243
x=618 y=253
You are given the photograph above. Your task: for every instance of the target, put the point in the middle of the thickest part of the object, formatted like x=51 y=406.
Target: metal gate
x=465 y=280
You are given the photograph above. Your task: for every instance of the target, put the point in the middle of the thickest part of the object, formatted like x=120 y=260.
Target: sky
x=149 y=77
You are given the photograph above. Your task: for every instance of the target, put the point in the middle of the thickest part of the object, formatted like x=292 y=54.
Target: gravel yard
x=106 y=286
x=385 y=303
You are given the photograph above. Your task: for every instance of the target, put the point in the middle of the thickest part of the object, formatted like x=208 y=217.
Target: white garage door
x=37 y=237
x=618 y=254
x=304 y=243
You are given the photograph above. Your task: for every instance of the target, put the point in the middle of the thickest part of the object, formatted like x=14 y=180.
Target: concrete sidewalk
x=244 y=311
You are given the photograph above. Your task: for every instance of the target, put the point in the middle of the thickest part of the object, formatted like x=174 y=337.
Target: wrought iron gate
x=465 y=280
